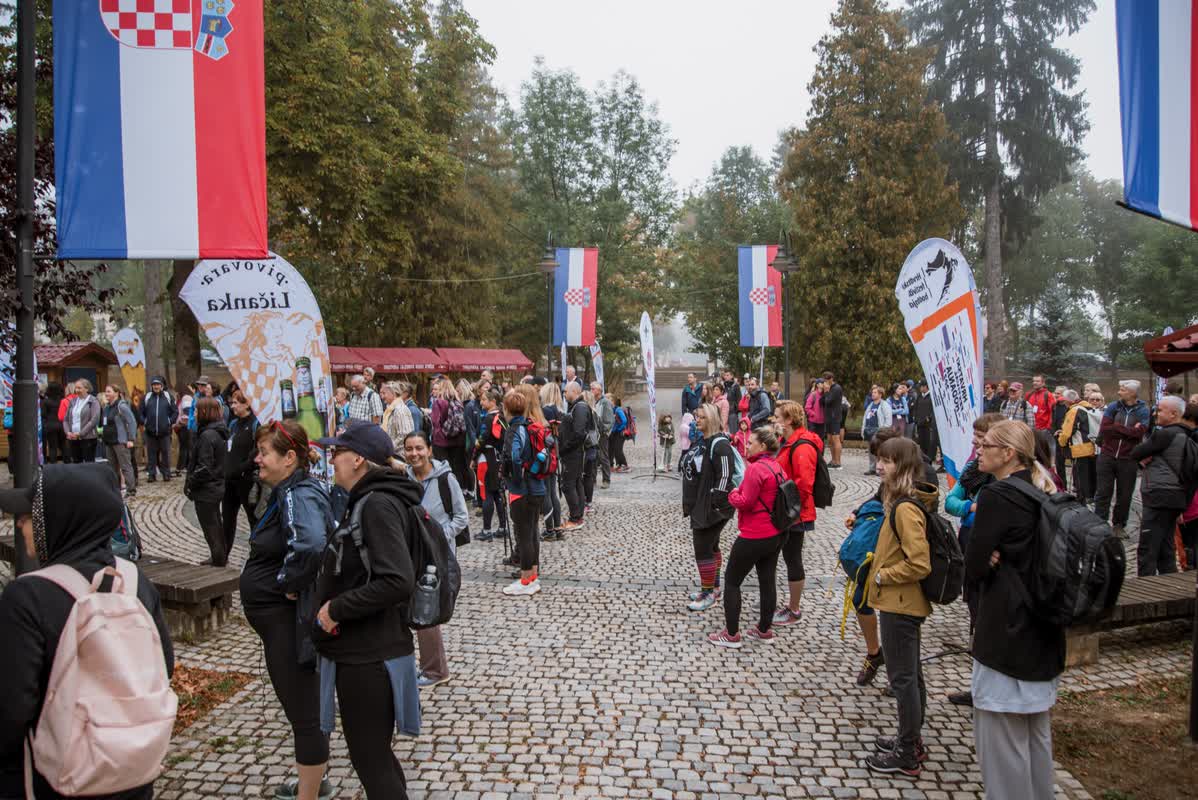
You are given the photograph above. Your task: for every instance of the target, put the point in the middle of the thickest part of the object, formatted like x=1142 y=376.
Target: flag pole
x=23 y=458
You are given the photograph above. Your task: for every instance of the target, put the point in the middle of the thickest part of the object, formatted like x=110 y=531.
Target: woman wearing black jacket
x=365 y=646
x=240 y=469
x=69 y=516
x=706 y=481
x=54 y=439
x=1017 y=657
x=205 y=484
x=278 y=592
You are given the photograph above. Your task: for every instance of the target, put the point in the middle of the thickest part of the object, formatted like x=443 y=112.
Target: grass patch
x=201 y=690
x=1129 y=743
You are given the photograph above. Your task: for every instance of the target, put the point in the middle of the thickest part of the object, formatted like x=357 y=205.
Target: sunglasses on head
x=278 y=426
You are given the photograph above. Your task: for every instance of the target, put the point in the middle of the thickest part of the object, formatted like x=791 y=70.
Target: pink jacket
x=814 y=408
x=754 y=498
x=721 y=403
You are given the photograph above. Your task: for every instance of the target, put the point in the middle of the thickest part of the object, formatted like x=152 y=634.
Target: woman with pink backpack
x=66 y=521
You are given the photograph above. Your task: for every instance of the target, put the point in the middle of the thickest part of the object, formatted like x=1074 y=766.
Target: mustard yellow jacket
x=902 y=558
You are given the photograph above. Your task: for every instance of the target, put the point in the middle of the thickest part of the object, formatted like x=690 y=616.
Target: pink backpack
x=109 y=709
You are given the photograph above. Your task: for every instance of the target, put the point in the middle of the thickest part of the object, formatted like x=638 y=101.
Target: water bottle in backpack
x=426 y=601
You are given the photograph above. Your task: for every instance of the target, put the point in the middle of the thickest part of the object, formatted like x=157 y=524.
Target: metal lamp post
x=548 y=267
x=785 y=265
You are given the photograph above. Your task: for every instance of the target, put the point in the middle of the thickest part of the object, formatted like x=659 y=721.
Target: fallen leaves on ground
x=201 y=690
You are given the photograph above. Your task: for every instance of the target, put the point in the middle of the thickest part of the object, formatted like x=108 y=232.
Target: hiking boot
x=571 y=525
x=759 y=635
x=870 y=670
x=892 y=763
x=705 y=601
x=699 y=593
x=961 y=698
x=785 y=617
x=289 y=790
x=425 y=682
x=725 y=639
x=886 y=744
x=485 y=536
x=605 y=485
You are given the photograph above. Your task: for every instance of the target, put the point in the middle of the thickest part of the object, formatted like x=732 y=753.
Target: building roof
x=71 y=353
x=1173 y=353
x=473 y=359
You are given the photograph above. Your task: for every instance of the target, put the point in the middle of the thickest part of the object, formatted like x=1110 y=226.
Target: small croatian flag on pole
x=575 y=296
x=760 y=296
x=1158 y=107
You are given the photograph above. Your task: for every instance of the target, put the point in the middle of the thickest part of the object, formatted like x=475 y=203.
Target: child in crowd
x=741 y=440
x=665 y=437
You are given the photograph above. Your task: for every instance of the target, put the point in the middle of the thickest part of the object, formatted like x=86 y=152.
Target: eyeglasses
x=990 y=446
x=1012 y=391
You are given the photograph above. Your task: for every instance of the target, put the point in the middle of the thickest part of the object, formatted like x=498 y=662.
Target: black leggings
x=237 y=494
x=368 y=723
x=792 y=554
x=748 y=554
x=208 y=515
x=455 y=454
x=616 y=445
x=525 y=512
x=298 y=689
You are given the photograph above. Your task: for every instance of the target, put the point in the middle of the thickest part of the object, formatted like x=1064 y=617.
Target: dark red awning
x=386 y=360
x=1173 y=353
x=471 y=359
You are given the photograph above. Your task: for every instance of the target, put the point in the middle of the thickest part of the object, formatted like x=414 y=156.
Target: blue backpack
x=857 y=553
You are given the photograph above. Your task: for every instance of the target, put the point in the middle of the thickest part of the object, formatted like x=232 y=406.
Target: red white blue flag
x=160 y=129
x=575 y=296
x=1156 y=98
x=760 y=296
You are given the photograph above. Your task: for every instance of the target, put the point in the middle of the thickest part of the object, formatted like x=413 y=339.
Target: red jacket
x=1042 y=401
x=798 y=462
x=754 y=498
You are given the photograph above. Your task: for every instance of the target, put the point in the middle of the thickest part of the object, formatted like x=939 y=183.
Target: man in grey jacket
x=120 y=435
x=605 y=417
x=1163 y=487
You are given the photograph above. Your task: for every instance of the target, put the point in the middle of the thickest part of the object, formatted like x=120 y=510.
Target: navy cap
x=366 y=439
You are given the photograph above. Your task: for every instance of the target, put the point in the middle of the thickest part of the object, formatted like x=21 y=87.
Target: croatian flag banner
x=942 y=313
x=160 y=129
x=760 y=296
x=1156 y=63
x=575 y=296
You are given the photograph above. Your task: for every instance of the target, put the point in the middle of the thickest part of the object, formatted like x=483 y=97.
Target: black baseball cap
x=367 y=439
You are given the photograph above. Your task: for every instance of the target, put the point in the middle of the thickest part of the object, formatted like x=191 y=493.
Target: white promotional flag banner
x=262 y=318
x=563 y=360
x=131 y=356
x=597 y=362
x=650 y=378
x=1160 y=382
x=942 y=314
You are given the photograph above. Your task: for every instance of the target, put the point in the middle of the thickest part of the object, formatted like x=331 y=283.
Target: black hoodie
x=206 y=469
x=369 y=615
x=81 y=508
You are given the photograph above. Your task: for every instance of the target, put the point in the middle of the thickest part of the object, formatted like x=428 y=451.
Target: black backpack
x=788 y=504
x=428 y=547
x=823 y=490
x=1078 y=565
x=943 y=584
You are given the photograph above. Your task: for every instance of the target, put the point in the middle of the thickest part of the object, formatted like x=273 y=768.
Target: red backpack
x=540 y=440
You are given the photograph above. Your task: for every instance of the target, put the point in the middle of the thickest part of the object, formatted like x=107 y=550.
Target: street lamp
x=785 y=265
x=548 y=267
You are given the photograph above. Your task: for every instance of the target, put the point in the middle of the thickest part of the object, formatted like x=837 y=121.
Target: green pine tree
x=866 y=184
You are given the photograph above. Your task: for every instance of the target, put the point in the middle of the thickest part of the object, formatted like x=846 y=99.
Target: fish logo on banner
x=575 y=296
x=159 y=129
x=760 y=296
x=1156 y=101
x=942 y=314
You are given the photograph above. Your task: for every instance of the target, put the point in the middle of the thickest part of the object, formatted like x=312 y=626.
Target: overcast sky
x=727 y=74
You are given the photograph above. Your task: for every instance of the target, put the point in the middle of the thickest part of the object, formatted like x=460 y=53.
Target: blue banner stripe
x=561 y=282
x=1138 y=32
x=744 y=266
x=88 y=170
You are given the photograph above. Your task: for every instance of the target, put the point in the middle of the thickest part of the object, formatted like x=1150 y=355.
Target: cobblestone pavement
x=602 y=684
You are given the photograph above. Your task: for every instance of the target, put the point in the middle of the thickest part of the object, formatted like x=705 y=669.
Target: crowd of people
x=332 y=574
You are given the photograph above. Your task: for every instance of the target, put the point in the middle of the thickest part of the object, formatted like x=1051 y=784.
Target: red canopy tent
x=386 y=360
x=1173 y=353
x=471 y=359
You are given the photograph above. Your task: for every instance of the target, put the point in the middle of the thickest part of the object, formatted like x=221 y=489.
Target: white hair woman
x=1017 y=656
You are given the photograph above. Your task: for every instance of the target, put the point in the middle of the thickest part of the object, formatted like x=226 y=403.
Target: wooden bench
x=196 y=599
x=1142 y=601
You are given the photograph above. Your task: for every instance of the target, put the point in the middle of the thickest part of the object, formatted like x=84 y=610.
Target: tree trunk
x=996 y=315
x=155 y=315
x=187 y=328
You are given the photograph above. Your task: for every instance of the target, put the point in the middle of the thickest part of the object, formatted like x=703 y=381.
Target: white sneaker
x=519 y=588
